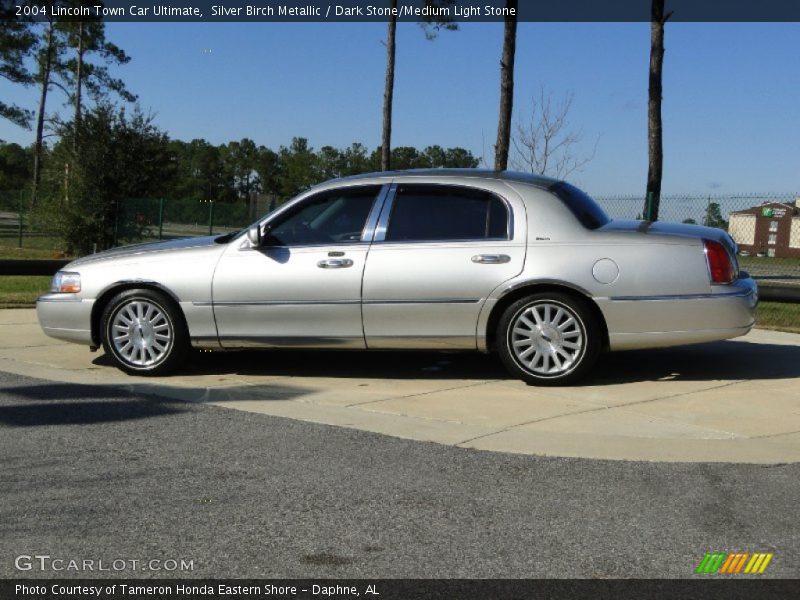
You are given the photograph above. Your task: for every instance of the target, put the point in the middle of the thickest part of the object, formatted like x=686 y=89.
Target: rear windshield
x=586 y=210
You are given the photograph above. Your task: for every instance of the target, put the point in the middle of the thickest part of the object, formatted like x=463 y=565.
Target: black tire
x=571 y=347
x=152 y=317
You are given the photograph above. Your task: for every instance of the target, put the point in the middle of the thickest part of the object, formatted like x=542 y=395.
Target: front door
x=302 y=286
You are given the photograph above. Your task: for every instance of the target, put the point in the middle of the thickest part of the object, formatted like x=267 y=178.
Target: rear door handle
x=491 y=259
x=335 y=263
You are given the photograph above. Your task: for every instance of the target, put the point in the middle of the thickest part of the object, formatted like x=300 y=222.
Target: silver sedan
x=526 y=266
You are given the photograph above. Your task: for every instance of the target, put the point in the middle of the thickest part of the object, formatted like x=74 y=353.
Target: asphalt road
x=95 y=474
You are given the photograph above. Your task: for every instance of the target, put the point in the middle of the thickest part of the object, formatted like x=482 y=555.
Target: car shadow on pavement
x=725 y=361
x=343 y=364
x=728 y=360
x=46 y=404
x=71 y=404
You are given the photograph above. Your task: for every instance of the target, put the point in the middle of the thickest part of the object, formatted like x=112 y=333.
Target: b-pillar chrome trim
x=374 y=214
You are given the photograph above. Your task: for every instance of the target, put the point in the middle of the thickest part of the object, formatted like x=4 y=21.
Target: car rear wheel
x=144 y=333
x=549 y=338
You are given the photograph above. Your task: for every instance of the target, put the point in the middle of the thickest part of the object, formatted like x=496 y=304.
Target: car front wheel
x=549 y=338
x=144 y=333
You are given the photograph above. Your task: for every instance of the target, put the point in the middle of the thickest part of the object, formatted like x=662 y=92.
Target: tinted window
x=446 y=213
x=586 y=210
x=329 y=218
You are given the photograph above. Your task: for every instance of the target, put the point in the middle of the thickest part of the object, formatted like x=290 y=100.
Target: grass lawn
x=22 y=291
x=749 y=262
x=33 y=247
x=783 y=316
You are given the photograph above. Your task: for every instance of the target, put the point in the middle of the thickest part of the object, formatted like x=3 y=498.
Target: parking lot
x=476 y=475
x=733 y=401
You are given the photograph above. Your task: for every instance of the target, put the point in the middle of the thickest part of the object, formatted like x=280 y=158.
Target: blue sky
x=731 y=92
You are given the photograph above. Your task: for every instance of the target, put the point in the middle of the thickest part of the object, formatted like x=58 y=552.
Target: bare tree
x=506 y=88
x=654 y=130
x=545 y=143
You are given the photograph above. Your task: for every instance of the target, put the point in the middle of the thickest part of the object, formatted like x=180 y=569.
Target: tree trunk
x=78 y=86
x=388 y=93
x=44 y=77
x=506 y=89
x=654 y=131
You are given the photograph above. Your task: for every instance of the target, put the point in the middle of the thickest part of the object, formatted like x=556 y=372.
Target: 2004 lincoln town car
x=526 y=266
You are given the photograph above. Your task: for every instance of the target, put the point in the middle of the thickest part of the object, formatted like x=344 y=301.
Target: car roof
x=528 y=178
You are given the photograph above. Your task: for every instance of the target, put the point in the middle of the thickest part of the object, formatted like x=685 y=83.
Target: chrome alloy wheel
x=547 y=338
x=141 y=333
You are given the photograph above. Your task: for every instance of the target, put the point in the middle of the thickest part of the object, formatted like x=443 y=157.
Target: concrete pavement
x=733 y=401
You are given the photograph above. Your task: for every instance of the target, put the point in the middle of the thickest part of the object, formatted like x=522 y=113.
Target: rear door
x=439 y=251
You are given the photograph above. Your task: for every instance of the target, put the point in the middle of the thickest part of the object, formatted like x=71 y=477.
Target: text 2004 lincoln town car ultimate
x=435 y=259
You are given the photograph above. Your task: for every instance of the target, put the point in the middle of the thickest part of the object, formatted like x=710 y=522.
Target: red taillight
x=720 y=265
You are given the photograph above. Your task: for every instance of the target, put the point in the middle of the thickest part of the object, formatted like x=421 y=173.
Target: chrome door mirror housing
x=254 y=235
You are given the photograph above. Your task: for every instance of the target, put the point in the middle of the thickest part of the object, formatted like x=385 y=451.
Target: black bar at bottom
x=706 y=587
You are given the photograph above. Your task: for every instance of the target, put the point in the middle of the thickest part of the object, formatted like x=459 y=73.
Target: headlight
x=65 y=282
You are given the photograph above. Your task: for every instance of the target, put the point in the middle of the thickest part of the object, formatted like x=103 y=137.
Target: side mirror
x=254 y=235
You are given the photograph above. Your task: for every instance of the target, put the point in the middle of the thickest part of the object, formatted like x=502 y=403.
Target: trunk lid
x=673 y=229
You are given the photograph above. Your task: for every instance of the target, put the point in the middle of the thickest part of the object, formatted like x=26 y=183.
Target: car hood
x=138 y=249
x=677 y=229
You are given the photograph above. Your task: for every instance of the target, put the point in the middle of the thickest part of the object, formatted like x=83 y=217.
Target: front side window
x=443 y=213
x=334 y=217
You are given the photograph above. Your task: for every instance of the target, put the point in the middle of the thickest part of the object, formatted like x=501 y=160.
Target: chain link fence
x=766 y=227
x=135 y=220
x=12 y=223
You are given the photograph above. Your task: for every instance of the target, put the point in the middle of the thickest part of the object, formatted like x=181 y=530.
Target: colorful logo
x=723 y=563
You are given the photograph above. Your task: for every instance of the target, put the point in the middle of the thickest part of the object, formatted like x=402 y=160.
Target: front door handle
x=491 y=259
x=335 y=263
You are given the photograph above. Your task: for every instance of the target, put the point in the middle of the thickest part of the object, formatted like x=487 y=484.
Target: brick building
x=772 y=229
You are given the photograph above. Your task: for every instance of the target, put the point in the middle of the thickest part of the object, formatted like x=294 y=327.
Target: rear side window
x=586 y=210
x=442 y=213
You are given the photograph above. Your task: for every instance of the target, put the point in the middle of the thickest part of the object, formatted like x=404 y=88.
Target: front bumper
x=66 y=317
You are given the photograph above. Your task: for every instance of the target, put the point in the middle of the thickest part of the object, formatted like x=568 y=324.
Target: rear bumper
x=65 y=317
x=657 y=321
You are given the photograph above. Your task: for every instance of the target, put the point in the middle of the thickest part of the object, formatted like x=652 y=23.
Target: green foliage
x=713 y=216
x=198 y=172
x=690 y=221
x=15 y=167
x=434 y=24
x=432 y=157
x=232 y=172
x=268 y=168
x=17 y=43
x=87 y=38
x=117 y=157
x=299 y=168
x=240 y=160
